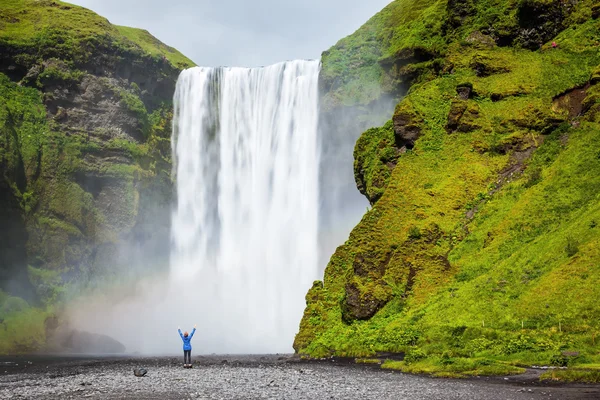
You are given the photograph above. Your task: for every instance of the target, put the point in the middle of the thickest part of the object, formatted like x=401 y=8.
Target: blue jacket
x=186 y=340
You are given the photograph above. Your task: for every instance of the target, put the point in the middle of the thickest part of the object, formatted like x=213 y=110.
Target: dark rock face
x=480 y=40
x=13 y=230
x=485 y=66
x=13 y=252
x=596 y=11
x=572 y=101
x=406 y=126
x=459 y=10
x=367 y=293
x=359 y=305
x=93 y=106
x=464 y=91
x=540 y=21
x=75 y=341
x=462 y=116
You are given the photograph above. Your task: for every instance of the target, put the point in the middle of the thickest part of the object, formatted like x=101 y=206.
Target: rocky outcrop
x=407 y=126
x=73 y=341
x=463 y=116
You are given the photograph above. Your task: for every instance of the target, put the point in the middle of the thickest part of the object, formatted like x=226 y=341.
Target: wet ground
x=253 y=377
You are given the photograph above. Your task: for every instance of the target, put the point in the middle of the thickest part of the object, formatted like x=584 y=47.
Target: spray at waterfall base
x=244 y=229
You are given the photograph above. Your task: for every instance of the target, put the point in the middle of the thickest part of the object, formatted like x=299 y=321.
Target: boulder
x=407 y=127
x=75 y=341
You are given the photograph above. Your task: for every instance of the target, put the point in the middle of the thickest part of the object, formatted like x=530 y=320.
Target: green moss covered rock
x=480 y=246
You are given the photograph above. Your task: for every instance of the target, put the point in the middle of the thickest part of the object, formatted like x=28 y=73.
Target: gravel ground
x=252 y=377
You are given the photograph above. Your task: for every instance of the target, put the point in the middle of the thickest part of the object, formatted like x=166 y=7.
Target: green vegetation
x=52 y=28
x=479 y=255
x=352 y=72
x=374 y=158
x=454 y=367
x=154 y=46
x=409 y=41
x=22 y=128
x=85 y=126
x=22 y=325
x=581 y=374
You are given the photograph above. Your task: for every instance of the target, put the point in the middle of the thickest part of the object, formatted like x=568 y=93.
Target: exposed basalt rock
x=542 y=120
x=406 y=126
x=458 y=11
x=410 y=64
x=359 y=305
x=596 y=11
x=571 y=101
x=591 y=104
x=540 y=21
x=486 y=66
x=463 y=116
x=95 y=107
x=367 y=293
x=13 y=239
x=480 y=40
x=375 y=157
x=457 y=109
x=464 y=91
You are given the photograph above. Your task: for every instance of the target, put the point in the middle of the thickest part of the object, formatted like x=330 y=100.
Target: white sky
x=240 y=32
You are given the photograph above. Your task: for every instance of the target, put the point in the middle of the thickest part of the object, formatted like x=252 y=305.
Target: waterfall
x=245 y=226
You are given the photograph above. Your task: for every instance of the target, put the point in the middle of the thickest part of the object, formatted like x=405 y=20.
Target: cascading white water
x=245 y=227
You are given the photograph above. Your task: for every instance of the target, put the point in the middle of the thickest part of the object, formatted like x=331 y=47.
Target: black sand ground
x=253 y=377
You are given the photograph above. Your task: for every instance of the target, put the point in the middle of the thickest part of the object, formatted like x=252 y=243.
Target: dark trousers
x=187 y=356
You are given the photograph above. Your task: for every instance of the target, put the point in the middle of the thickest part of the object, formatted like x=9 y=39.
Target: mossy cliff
x=480 y=252
x=85 y=109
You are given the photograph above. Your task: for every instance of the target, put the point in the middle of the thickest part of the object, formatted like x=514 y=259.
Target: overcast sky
x=242 y=32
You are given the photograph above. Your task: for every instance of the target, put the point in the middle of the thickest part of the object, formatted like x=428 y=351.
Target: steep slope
x=481 y=244
x=85 y=111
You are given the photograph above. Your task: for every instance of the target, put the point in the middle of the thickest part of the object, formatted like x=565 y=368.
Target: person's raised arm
x=180 y=334
x=193 y=330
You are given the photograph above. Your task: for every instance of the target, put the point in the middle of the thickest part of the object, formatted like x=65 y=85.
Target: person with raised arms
x=187 y=347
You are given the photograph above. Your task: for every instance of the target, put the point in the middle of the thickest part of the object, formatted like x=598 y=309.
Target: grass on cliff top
x=66 y=31
x=152 y=45
x=351 y=69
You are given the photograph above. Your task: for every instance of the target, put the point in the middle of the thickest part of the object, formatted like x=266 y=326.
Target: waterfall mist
x=265 y=192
